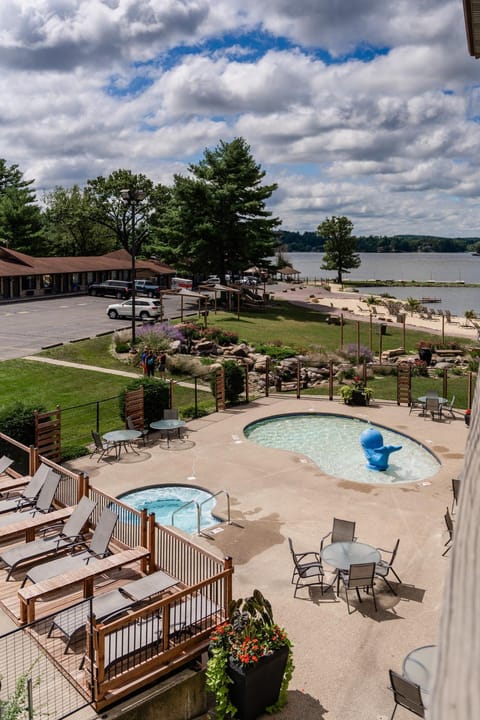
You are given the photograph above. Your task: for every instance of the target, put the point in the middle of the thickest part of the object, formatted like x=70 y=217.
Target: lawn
x=85 y=395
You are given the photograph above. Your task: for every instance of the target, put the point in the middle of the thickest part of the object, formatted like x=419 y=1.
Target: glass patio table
x=418 y=667
x=122 y=438
x=168 y=427
x=341 y=555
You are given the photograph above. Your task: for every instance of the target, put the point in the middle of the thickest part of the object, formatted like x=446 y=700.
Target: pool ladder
x=199 y=509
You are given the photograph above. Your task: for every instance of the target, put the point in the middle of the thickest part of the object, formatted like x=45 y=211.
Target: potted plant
x=357 y=393
x=425 y=351
x=250 y=661
x=468 y=414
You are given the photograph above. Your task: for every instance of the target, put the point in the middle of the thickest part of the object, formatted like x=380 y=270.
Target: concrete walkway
x=106 y=371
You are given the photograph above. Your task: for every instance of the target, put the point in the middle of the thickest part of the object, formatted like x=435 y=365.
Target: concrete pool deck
x=341 y=660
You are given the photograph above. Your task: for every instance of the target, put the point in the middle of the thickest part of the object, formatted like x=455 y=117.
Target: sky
x=363 y=108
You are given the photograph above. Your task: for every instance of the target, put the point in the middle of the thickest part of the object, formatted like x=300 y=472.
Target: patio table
x=168 y=426
x=418 y=667
x=122 y=438
x=341 y=555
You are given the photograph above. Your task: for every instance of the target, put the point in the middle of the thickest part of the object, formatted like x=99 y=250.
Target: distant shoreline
x=409 y=283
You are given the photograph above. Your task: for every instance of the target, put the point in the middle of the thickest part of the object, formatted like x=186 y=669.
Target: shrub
x=18 y=422
x=365 y=354
x=234 y=381
x=156 y=398
x=277 y=352
x=203 y=409
x=159 y=337
x=220 y=336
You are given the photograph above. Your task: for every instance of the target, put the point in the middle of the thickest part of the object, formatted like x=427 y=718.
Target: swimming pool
x=164 y=500
x=332 y=442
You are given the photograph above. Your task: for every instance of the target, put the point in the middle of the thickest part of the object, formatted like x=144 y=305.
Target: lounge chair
x=29 y=493
x=97 y=548
x=145 y=634
x=65 y=538
x=5 y=463
x=73 y=620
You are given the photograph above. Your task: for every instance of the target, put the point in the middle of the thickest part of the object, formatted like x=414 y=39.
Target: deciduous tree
x=340 y=246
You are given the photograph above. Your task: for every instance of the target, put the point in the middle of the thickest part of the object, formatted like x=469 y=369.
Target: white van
x=178 y=283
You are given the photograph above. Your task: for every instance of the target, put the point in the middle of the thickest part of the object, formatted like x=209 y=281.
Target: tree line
x=310 y=241
x=212 y=221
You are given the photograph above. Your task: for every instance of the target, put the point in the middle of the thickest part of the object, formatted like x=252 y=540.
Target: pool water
x=332 y=442
x=163 y=500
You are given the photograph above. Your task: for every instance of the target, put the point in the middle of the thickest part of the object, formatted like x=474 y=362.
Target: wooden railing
x=133 y=651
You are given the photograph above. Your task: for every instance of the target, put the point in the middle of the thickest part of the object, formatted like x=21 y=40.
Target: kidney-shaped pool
x=333 y=443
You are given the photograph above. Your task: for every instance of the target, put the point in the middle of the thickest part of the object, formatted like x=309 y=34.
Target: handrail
x=190 y=502
x=214 y=495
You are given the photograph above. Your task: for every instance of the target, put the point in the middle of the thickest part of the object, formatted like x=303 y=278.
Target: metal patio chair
x=449 y=526
x=407 y=694
x=307 y=569
x=342 y=531
x=360 y=576
x=383 y=567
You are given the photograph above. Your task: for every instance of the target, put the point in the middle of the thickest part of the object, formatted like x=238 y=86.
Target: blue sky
x=363 y=109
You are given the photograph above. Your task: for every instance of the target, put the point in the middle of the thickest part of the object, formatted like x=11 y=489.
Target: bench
x=84 y=574
x=27 y=524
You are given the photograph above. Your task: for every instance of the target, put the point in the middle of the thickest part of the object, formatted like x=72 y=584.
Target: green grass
x=303 y=329
x=50 y=385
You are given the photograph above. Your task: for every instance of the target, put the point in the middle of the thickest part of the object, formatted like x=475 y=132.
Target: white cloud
x=89 y=86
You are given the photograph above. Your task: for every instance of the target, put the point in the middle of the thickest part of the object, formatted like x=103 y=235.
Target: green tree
x=217 y=221
x=69 y=226
x=21 y=225
x=340 y=246
x=412 y=304
x=126 y=223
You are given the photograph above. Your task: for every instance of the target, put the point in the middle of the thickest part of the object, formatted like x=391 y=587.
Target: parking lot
x=27 y=327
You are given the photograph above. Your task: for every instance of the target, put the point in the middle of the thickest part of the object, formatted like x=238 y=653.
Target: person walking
x=143 y=360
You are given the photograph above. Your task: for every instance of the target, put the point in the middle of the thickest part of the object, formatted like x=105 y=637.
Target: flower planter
x=256 y=687
x=357 y=398
x=425 y=354
x=467 y=419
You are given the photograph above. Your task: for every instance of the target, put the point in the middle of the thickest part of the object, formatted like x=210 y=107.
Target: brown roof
x=13 y=263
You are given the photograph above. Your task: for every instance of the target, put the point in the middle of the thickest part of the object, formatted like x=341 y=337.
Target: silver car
x=145 y=308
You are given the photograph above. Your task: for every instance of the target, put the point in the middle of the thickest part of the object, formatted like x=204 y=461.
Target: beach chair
x=67 y=536
x=72 y=621
x=29 y=493
x=5 y=463
x=96 y=549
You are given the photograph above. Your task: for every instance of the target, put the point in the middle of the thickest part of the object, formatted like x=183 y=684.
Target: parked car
x=144 y=287
x=212 y=280
x=144 y=309
x=113 y=288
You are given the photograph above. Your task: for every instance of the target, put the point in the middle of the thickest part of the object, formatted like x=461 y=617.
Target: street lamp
x=131 y=198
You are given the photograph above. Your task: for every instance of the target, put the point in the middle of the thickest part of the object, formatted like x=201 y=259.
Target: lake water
x=431 y=267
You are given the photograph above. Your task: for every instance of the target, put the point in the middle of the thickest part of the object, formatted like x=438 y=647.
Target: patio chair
x=448 y=408
x=416 y=403
x=172 y=414
x=449 y=526
x=383 y=567
x=102 y=447
x=407 y=694
x=29 y=493
x=359 y=576
x=307 y=569
x=67 y=536
x=96 y=549
x=131 y=426
x=433 y=407
x=5 y=463
x=342 y=531
x=456 y=485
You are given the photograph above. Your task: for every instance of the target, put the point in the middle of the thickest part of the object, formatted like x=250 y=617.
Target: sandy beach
x=353 y=306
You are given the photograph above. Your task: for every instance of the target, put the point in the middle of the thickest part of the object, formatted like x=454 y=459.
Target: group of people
x=150 y=362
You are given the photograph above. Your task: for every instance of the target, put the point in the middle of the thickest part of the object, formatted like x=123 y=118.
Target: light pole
x=131 y=198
